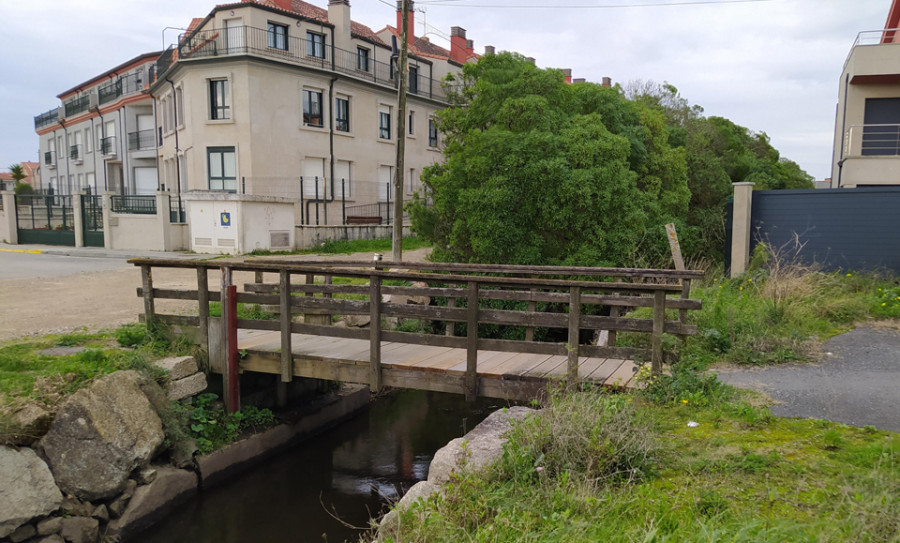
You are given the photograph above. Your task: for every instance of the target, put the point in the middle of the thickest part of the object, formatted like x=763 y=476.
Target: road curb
x=29 y=251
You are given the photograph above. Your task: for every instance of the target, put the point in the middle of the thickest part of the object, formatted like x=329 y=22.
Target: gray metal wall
x=846 y=229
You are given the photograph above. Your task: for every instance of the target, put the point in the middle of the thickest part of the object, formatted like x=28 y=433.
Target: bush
x=586 y=437
x=132 y=335
x=24 y=188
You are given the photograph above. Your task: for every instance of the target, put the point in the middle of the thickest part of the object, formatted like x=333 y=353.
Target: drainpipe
x=840 y=163
x=175 y=128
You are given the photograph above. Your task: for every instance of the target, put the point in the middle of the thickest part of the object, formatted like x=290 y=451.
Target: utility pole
x=397 y=245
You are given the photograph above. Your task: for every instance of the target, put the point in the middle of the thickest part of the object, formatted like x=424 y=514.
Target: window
x=278 y=36
x=342 y=114
x=881 y=129
x=312 y=108
x=384 y=124
x=179 y=106
x=222 y=170
x=414 y=80
x=432 y=133
x=411 y=123
x=218 y=99
x=88 y=141
x=315 y=45
x=362 y=59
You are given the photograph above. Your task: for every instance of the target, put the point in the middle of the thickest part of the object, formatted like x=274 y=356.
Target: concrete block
x=189 y=386
x=178 y=367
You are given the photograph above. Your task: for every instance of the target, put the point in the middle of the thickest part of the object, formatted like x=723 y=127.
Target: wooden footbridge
x=548 y=316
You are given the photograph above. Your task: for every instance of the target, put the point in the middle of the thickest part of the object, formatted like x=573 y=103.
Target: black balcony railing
x=108 y=146
x=142 y=140
x=121 y=86
x=47 y=118
x=75 y=152
x=246 y=40
x=50 y=158
x=135 y=205
x=77 y=105
x=176 y=210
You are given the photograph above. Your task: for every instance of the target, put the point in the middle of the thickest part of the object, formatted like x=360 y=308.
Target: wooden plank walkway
x=513 y=376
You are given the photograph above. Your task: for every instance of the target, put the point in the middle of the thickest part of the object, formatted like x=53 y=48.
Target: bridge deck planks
x=435 y=368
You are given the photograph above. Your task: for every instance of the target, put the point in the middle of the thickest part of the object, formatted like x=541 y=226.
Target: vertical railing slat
x=572 y=347
x=147 y=284
x=471 y=382
x=203 y=306
x=376 y=382
x=284 y=294
x=659 y=320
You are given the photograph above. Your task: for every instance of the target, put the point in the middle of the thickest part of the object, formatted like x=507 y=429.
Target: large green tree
x=541 y=172
x=538 y=171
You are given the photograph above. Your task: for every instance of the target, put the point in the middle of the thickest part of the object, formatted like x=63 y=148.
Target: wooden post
x=685 y=294
x=258 y=277
x=230 y=377
x=471 y=382
x=675 y=247
x=147 y=283
x=284 y=294
x=572 y=347
x=376 y=382
x=532 y=307
x=659 y=321
x=451 y=302
x=203 y=306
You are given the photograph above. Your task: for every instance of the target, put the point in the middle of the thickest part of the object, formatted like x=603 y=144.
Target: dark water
x=343 y=477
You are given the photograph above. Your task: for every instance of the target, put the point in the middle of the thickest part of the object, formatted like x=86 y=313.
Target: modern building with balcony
x=285 y=99
x=867 y=129
x=101 y=136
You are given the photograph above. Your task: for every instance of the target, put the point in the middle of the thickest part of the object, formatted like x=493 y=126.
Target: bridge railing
x=564 y=301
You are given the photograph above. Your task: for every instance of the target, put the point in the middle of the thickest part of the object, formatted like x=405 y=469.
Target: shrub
x=132 y=335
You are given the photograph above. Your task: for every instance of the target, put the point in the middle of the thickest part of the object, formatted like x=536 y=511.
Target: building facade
x=867 y=130
x=281 y=98
x=101 y=136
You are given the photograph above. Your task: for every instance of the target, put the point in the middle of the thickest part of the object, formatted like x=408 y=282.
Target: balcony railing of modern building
x=50 y=158
x=46 y=119
x=121 y=86
x=246 y=40
x=869 y=38
x=108 y=146
x=77 y=105
x=142 y=140
x=76 y=152
x=877 y=140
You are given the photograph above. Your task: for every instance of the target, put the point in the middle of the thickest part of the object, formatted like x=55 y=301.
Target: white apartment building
x=282 y=98
x=101 y=136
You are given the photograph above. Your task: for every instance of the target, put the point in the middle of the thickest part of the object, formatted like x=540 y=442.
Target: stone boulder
x=178 y=367
x=151 y=502
x=29 y=423
x=186 y=387
x=27 y=489
x=100 y=435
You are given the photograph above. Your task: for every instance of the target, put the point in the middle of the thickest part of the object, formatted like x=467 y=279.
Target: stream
x=328 y=487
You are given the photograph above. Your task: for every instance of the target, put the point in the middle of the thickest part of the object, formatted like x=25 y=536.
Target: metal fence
x=133 y=205
x=176 y=211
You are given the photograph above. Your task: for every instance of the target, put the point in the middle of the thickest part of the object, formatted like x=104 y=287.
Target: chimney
x=607 y=82
x=489 y=50
x=411 y=26
x=470 y=48
x=568 y=73
x=458 y=44
x=579 y=80
x=285 y=4
x=531 y=60
x=339 y=16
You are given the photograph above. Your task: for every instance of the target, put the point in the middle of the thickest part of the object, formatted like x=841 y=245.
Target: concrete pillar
x=8 y=230
x=740 y=228
x=163 y=218
x=78 y=214
x=108 y=223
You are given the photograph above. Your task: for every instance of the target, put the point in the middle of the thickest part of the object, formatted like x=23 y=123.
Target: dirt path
x=106 y=299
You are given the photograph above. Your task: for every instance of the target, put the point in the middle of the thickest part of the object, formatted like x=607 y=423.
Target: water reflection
x=340 y=478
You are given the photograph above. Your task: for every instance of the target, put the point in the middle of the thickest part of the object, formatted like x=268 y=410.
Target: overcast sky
x=772 y=66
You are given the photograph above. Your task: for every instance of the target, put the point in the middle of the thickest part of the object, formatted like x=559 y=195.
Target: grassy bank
x=598 y=467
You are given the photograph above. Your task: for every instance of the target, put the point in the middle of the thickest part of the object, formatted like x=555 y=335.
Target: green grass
x=383 y=246
x=627 y=469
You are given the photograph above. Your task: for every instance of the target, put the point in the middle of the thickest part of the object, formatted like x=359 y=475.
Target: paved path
x=857 y=382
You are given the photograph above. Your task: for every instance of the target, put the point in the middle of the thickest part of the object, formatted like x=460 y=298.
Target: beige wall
x=8 y=233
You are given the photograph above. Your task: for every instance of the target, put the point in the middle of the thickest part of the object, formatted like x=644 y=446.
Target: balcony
x=142 y=140
x=108 y=146
x=77 y=105
x=246 y=40
x=875 y=58
x=121 y=86
x=47 y=118
x=871 y=155
x=50 y=159
x=76 y=153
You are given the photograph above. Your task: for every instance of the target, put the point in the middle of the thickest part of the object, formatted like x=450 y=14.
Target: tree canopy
x=538 y=171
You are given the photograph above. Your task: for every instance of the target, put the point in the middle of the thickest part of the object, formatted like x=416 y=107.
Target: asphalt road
x=856 y=383
x=15 y=265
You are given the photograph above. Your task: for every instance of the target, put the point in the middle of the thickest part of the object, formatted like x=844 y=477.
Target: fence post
x=147 y=285
x=78 y=219
x=451 y=302
x=740 y=228
x=164 y=217
x=471 y=382
x=10 y=217
x=287 y=359
x=572 y=347
x=231 y=375
x=659 y=321
x=107 y=219
x=375 y=333
x=203 y=306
